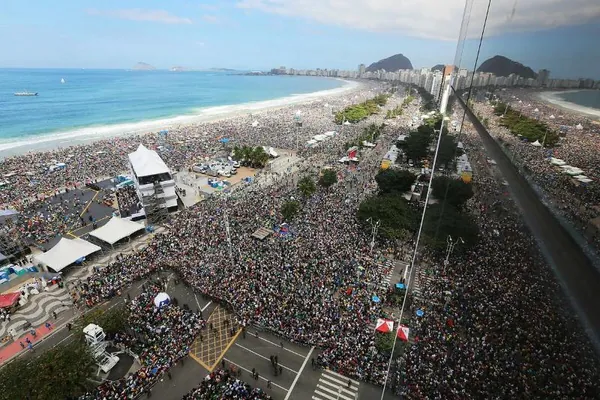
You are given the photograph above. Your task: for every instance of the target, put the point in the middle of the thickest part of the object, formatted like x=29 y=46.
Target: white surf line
x=206 y=306
x=265 y=358
x=285 y=348
x=299 y=373
x=250 y=372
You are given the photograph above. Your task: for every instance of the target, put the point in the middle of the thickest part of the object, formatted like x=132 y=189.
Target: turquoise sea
x=91 y=100
x=585 y=98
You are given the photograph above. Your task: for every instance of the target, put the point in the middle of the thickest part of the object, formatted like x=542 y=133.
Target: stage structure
x=153 y=183
x=95 y=339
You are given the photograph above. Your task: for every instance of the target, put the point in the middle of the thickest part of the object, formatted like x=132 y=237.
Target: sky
x=262 y=34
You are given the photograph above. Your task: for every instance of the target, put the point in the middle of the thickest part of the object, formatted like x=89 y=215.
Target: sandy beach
x=203 y=115
x=554 y=99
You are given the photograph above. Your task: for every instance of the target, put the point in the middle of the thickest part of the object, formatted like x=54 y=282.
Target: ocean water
x=96 y=101
x=585 y=98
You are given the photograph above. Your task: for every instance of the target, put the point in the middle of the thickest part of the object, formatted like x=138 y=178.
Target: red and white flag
x=403 y=332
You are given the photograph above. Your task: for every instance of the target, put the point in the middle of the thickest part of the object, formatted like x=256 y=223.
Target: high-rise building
x=361 y=69
x=543 y=76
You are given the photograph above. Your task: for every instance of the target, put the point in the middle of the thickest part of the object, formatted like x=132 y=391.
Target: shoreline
x=567 y=106
x=87 y=135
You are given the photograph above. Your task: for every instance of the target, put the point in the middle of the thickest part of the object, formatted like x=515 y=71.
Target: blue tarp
x=420 y=313
x=400 y=286
x=224 y=140
x=376 y=299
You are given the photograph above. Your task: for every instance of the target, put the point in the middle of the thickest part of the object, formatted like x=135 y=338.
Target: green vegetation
x=384 y=341
x=448 y=150
x=289 y=210
x=443 y=220
x=358 y=112
x=394 y=181
x=112 y=321
x=370 y=134
x=458 y=192
x=307 y=186
x=523 y=126
x=416 y=145
x=396 y=112
x=58 y=373
x=255 y=157
x=328 y=178
x=427 y=101
x=396 y=218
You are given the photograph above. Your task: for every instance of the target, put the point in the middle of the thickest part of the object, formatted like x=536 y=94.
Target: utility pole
x=450 y=248
x=374 y=229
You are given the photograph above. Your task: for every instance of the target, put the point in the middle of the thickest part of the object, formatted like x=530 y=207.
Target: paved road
x=576 y=273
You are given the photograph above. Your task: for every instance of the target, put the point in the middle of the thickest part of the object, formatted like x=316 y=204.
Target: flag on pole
x=403 y=332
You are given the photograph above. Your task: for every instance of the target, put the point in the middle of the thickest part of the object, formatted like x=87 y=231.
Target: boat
x=62 y=80
x=26 y=93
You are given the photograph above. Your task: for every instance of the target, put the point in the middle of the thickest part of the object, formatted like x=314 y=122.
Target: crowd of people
x=160 y=336
x=579 y=146
x=221 y=384
x=502 y=331
x=496 y=324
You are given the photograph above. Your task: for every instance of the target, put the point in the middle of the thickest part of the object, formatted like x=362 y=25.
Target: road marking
x=250 y=372
x=199 y=361
x=225 y=350
x=299 y=373
x=263 y=357
x=339 y=383
x=206 y=306
x=89 y=204
x=197 y=302
x=286 y=349
x=62 y=340
x=343 y=377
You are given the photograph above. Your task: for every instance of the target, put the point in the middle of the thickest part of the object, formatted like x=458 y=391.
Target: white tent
x=255 y=124
x=536 y=110
x=161 y=299
x=116 y=229
x=65 y=253
x=579 y=126
x=552 y=117
x=347 y=123
x=330 y=133
x=557 y=161
x=147 y=162
x=536 y=143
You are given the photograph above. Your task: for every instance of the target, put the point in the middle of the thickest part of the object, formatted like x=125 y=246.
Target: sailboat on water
x=62 y=80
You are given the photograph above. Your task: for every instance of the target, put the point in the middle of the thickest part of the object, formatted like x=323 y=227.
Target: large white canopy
x=147 y=162
x=116 y=229
x=65 y=253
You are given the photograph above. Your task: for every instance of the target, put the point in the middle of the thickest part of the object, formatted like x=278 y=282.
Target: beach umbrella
x=384 y=325
x=255 y=124
x=552 y=117
x=420 y=313
x=402 y=332
x=161 y=299
x=376 y=299
x=579 y=126
x=400 y=286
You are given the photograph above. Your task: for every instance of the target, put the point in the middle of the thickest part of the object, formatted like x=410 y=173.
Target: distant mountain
x=391 y=64
x=142 y=66
x=224 y=70
x=178 y=69
x=438 y=67
x=502 y=66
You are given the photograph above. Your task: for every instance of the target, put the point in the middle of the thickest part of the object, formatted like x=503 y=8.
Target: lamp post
x=374 y=229
x=449 y=249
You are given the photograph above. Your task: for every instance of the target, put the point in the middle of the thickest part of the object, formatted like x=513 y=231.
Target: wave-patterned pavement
x=38 y=310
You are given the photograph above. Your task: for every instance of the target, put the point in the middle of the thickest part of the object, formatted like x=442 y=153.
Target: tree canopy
x=251 y=156
x=289 y=210
x=358 y=112
x=306 y=186
x=57 y=373
x=442 y=221
x=452 y=191
x=528 y=128
x=394 y=181
x=396 y=218
x=328 y=178
x=416 y=145
x=448 y=150
x=112 y=321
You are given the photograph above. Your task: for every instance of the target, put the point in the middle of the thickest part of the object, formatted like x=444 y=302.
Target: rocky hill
x=438 y=67
x=502 y=66
x=142 y=66
x=391 y=64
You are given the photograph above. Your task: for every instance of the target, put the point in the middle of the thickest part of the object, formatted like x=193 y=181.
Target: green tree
x=384 y=341
x=113 y=320
x=307 y=186
x=328 y=178
x=395 y=217
x=443 y=220
x=452 y=191
x=416 y=146
x=57 y=373
x=394 y=181
x=289 y=210
x=448 y=150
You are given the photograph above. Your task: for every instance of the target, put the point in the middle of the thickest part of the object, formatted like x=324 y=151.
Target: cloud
x=137 y=14
x=211 y=19
x=433 y=19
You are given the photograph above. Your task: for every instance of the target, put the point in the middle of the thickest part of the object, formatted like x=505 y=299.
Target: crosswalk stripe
x=343 y=377
x=335 y=393
x=341 y=385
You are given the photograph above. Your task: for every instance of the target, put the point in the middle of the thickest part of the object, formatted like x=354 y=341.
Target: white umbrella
x=255 y=124
x=161 y=299
x=579 y=126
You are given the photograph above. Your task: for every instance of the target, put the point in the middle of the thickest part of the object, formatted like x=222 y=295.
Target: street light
x=374 y=229
x=450 y=248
